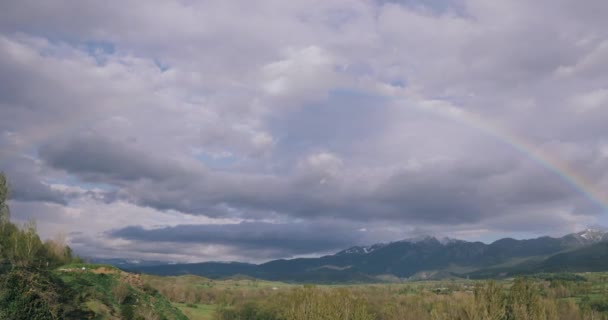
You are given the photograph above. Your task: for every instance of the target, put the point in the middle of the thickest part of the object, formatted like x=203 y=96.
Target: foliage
x=541 y=297
x=4 y=193
x=20 y=246
x=313 y=303
x=561 y=276
x=34 y=286
x=35 y=294
x=117 y=293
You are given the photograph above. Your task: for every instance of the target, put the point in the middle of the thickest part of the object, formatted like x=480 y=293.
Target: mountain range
x=418 y=258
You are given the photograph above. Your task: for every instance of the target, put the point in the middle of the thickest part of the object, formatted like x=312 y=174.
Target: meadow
x=543 y=296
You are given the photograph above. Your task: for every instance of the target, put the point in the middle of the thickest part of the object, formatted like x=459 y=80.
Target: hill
x=42 y=280
x=81 y=291
x=108 y=292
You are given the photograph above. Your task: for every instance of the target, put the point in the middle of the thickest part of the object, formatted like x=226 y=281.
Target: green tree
x=33 y=294
x=6 y=228
x=27 y=249
x=4 y=194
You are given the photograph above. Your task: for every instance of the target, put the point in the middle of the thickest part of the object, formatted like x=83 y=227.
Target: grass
x=202 y=282
x=97 y=283
x=196 y=311
x=87 y=266
x=101 y=310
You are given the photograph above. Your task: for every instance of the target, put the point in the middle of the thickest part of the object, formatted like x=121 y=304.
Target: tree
x=4 y=194
x=24 y=247
x=6 y=228
x=56 y=251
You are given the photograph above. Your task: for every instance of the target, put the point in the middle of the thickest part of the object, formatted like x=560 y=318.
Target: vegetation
x=110 y=293
x=42 y=280
x=542 y=296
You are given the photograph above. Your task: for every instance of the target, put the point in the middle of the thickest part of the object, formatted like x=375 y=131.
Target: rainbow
x=557 y=166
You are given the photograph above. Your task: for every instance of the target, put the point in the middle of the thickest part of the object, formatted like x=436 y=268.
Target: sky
x=194 y=131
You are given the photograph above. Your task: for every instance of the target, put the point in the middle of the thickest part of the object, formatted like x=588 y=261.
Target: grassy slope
x=97 y=285
x=196 y=311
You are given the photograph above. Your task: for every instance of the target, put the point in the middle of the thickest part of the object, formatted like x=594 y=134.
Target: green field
x=542 y=296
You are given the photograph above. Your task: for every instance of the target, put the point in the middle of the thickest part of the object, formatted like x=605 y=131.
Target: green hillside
x=42 y=280
x=591 y=258
x=71 y=292
x=109 y=293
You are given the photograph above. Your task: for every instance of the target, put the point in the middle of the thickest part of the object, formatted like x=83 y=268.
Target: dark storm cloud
x=29 y=188
x=25 y=184
x=99 y=158
x=442 y=195
x=288 y=239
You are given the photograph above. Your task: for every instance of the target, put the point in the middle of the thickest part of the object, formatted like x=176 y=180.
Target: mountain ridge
x=403 y=259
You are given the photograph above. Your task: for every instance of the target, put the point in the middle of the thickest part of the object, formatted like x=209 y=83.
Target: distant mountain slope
x=589 y=258
x=411 y=258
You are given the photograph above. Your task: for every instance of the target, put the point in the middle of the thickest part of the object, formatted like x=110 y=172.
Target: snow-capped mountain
x=362 y=249
x=426 y=239
x=590 y=235
x=408 y=257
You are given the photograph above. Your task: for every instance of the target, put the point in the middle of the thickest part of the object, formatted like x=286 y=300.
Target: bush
x=127 y=312
x=36 y=295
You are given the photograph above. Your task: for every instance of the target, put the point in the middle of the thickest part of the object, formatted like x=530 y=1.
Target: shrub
x=35 y=294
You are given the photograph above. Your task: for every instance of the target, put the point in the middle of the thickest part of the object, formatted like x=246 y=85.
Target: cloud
x=178 y=114
x=277 y=240
x=97 y=158
x=304 y=74
x=26 y=179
